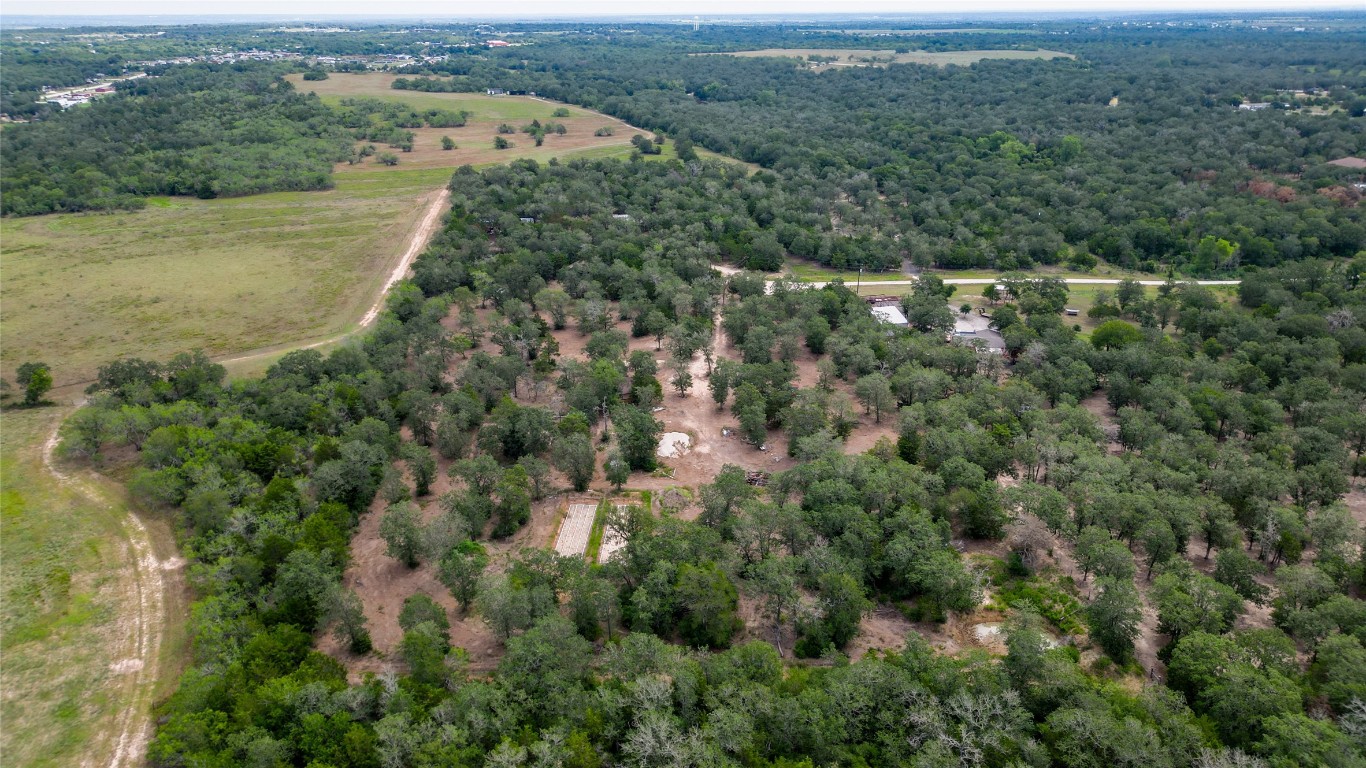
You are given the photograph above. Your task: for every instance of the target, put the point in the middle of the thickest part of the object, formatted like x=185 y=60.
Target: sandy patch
x=673 y=444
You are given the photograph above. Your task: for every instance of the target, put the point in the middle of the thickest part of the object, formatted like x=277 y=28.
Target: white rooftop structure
x=891 y=315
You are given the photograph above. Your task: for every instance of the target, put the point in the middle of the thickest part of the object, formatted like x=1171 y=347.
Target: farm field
x=224 y=275
x=863 y=57
x=86 y=652
x=474 y=141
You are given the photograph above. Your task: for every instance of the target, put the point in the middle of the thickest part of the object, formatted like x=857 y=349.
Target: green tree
x=557 y=303
x=709 y=603
x=36 y=380
x=538 y=473
x=1242 y=699
x=446 y=530
x=841 y=606
x=750 y=409
x=1159 y=542
x=573 y=455
x=402 y=533
x=616 y=470
x=1189 y=602
x=1235 y=569
x=637 y=437
x=348 y=615
x=875 y=392
x=505 y=608
x=1114 y=616
x=461 y=569
x=1115 y=334
x=424 y=649
x=720 y=381
x=421 y=465
x=420 y=608
x=514 y=501
x=722 y=498
x=447 y=143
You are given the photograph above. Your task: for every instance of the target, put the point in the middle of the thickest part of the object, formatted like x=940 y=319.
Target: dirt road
x=1068 y=280
x=154 y=586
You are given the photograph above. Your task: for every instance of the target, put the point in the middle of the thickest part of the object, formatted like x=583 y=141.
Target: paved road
x=1069 y=281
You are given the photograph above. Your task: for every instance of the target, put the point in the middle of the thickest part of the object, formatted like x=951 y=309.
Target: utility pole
x=859 y=290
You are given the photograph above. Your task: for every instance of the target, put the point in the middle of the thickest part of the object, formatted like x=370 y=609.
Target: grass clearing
x=1100 y=271
x=226 y=275
x=831 y=58
x=65 y=562
x=474 y=140
x=599 y=527
x=811 y=272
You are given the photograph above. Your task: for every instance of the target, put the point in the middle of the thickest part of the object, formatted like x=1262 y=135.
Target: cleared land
x=474 y=140
x=866 y=57
x=92 y=614
x=226 y=275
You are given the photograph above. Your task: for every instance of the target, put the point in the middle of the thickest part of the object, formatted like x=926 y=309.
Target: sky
x=532 y=9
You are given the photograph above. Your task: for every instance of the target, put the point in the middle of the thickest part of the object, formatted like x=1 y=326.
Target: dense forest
x=1134 y=153
x=1216 y=493
x=205 y=131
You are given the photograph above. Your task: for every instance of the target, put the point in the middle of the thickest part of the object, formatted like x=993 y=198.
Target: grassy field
x=862 y=57
x=810 y=271
x=224 y=275
x=474 y=141
x=67 y=607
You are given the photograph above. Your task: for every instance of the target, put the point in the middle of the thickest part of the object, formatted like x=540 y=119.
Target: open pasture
x=474 y=140
x=226 y=275
x=829 y=58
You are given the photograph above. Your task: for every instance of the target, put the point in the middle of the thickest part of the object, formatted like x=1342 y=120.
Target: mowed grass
x=474 y=140
x=226 y=276
x=62 y=571
x=864 y=57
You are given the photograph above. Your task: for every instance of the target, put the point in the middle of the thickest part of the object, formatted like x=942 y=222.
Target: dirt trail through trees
x=153 y=586
x=155 y=583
